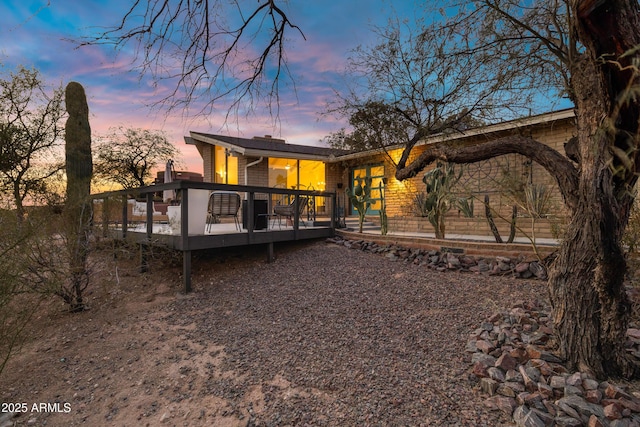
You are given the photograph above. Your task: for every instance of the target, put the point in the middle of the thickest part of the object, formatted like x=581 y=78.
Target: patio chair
x=288 y=211
x=223 y=203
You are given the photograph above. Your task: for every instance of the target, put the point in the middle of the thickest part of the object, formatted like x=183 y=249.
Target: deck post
x=144 y=247
x=270 y=253
x=186 y=271
x=125 y=214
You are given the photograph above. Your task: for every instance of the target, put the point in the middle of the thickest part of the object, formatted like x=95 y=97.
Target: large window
x=296 y=174
x=225 y=167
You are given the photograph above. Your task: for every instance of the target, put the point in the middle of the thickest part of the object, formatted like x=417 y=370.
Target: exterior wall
x=478 y=180
x=207 y=158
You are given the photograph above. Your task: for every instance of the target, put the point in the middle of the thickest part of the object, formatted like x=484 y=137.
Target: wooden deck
x=113 y=219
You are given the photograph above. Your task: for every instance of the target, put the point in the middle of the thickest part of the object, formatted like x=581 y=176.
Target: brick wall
x=479 y=179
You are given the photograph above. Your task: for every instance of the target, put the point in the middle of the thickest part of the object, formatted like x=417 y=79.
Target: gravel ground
x=360 y=339
x=323 y=336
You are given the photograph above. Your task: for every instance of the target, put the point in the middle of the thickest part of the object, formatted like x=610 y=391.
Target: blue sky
x=36 y=33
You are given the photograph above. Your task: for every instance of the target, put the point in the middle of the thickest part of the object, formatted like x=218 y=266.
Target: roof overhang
x=253 y=152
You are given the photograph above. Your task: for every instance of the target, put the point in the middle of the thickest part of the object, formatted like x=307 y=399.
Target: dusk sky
x=36 y=33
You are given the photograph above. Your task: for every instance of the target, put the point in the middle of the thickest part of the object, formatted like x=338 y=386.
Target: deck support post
x=270 y=253
x=186 y=271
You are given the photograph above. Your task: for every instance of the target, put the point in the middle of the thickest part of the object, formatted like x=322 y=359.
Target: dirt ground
x=322 y=336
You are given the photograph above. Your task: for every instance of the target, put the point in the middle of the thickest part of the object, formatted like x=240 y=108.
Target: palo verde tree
x=128 y=156
x=30 y=132
x=588 y=49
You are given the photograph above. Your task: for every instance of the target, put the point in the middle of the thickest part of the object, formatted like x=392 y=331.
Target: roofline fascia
x=251 y=152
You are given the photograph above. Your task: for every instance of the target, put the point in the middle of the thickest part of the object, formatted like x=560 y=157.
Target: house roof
x=507 y=126
x=265 y=146
x=273 y=147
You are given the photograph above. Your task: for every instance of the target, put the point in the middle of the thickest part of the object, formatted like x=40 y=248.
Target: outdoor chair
x=288 y=211
x=223 y=203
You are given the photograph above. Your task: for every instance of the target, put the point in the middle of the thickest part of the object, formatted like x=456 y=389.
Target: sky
x=39 y=34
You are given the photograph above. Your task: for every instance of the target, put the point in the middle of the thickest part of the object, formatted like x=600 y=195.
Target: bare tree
x=30 y=131
x=591 y=49
x=209 y=50
x=128 y=156
x=408 y=86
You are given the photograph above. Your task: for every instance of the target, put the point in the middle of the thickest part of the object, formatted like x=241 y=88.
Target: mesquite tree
x=597 y=56
x=79 y=170
x=30 y=131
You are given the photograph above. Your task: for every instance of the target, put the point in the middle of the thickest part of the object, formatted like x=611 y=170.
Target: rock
x=632 y=404
x=488 y=386
x=496 y=374
x=506 y=362
x=486 y=359
x=623 y=422
x=589 y=384
x=526 y=418
x=571 y=390
x=538 y=270
x=522 y=267
x=574 y=379
x=485 y=346
x=504 y=404
x=581 y=406
x=614 y=392
x=593 y=396
x=549 y=357
x=503 y=266
x=567 y=422
x=613 y=411
x=545 y=391
x=513 y=375
x=557 y=382
x=595 y=422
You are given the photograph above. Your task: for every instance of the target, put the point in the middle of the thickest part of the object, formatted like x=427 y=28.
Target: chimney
x=269 y=138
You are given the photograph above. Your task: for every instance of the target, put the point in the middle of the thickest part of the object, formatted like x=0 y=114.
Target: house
x=272 y=162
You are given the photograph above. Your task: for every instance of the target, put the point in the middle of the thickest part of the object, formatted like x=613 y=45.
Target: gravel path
x=331 y=336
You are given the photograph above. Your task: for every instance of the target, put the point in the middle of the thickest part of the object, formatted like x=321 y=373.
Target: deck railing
x=115 y=216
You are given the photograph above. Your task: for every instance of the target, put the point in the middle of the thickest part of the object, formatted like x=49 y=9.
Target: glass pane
x=312 y=175
x=220 y=176
x=377 y=171
x=232 y=170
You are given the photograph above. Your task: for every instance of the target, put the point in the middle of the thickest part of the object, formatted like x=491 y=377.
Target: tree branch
x=560 y=167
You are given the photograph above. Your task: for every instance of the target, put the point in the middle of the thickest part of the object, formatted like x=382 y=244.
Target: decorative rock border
x=449 y=260
x=512 y=359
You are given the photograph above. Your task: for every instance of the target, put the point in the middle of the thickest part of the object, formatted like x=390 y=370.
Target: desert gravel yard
x=323 y=336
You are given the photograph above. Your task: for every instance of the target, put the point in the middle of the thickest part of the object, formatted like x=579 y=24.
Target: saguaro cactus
x=79 y=168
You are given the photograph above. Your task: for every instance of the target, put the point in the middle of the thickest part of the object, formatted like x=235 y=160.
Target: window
x=225 y=166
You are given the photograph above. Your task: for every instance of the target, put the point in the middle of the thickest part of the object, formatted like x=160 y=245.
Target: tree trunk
x=586 y=282
x=590 y=306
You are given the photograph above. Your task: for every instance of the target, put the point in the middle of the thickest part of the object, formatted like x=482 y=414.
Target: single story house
x=272 y=162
